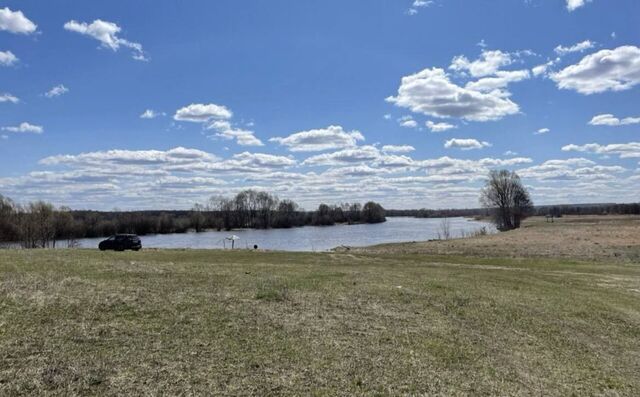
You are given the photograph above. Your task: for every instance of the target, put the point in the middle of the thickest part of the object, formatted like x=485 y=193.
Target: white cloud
x=570 y=169
x=332 y=137
x=107 y=34
x=150 y=114
x=26 y=128
x=407 y=122
x=466 y=144
x=439 y=127
x=542 y=131
x=510 y=153
x=15 y=22
x=398 y=148
x=430 y=92
x=217 y=117
x=579 y=47
x=179 y=177
x=488 y=63
x=394 y=161
x=225 y=130
x=356 y=171
x=611 y=120
x=346 y=156
x=58 y=90
x=132 y=157
x=542 y=69
x=605 y=70
x=264 y=160
x=6 y=97
x=575 y=4
x=201 y=113
x=7 y=58
x=500 y=80
x=387 y=116
x=623 y=150
x=419 y=4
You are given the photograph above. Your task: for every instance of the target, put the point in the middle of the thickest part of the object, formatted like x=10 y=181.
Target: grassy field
x=392 y=321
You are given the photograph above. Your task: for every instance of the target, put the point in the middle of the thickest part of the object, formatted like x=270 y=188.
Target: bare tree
x=197 y=218
x=507 y=198
x=444 y=232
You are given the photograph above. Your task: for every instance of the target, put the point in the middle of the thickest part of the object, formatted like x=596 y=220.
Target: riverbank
x=591 y=237
x=280 y=323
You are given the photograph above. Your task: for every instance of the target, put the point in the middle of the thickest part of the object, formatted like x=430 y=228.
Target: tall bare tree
x=507 y=198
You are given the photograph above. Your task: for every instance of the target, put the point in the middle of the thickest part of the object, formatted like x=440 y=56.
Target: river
x=311 y=238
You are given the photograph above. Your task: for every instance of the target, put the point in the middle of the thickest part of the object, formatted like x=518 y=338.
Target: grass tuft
x=271 y=290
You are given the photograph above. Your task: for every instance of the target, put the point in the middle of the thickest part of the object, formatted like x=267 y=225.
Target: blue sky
x=409 y=103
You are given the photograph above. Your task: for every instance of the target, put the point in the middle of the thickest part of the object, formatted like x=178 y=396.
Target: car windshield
x=111 y=238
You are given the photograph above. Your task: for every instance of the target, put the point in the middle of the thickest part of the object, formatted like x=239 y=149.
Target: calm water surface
x=312 y=238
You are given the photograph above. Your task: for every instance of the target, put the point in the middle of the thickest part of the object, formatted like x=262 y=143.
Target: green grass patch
x=83 y=322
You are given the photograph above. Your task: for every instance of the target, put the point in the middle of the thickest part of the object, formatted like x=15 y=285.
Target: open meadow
x=550 y=309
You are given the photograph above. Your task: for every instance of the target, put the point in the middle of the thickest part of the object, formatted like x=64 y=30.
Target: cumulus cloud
x=611 y=120
x=542 y=131
x=264 y=160
x=500 y=80
x=202 y=113
x=623 y=150
x=407 y=122
x=182 y=176
x=570 y=169
x=575 y=4
x=25 y=128
x=541 y=70
x=466 y=144
x=16 y=22
x=579 y=47
x=439 y=127
x=225 y=130
x=6 y=97
x=217 y=119
x=605 y=70
x=131 y=157
x=346 y=156
x=398 y=148
x=332 y=137
x=431 y=92
x=488 y=63
x=394 y=161
x=107 y=34
x=58 y=90
x=7 y=58
x=150 y=114
x=417 y=4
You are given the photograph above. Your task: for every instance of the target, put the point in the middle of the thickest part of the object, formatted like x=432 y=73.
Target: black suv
x=121 y=242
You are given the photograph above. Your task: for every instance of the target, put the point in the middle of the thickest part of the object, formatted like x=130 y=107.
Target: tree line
x=40 y=224
x=538 y=210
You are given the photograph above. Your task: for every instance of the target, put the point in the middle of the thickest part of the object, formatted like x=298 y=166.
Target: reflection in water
x=312 y=238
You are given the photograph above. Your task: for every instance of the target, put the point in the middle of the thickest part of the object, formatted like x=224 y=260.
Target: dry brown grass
x=579 y=237
x=188 y=322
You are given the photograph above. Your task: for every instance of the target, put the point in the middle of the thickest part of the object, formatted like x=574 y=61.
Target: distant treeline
x=540 y=210
x=40 y=224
